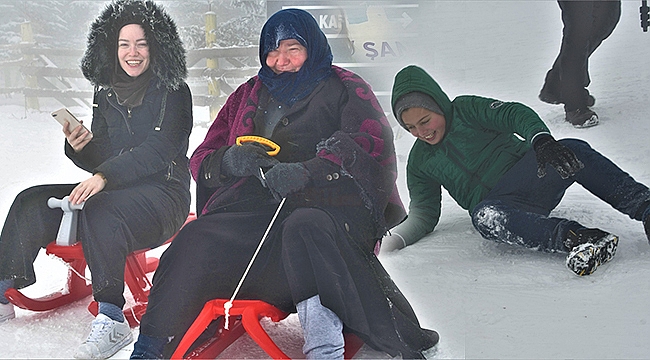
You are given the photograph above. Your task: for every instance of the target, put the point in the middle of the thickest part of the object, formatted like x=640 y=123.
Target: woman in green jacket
x=493 y=158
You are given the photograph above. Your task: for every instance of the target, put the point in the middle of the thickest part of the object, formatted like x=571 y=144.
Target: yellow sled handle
x=275 y=148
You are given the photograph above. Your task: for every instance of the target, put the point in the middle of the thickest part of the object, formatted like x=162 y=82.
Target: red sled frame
x=138 y=265
x=245 y=317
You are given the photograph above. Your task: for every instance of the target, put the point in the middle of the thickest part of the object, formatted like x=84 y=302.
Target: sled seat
x=138 y=265
x=244 y=317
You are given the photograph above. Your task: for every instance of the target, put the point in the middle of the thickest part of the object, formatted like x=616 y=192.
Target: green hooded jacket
x=484 y=138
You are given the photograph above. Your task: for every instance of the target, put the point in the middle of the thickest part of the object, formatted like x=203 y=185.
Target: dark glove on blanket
x=560 y=157
x=286 y=178
x=246 y=160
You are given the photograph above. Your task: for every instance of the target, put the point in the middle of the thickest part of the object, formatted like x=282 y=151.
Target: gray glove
x=246 y=160
x=286 y=178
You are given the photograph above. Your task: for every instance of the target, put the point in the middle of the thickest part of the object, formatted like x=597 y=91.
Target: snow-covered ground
x=486 y=300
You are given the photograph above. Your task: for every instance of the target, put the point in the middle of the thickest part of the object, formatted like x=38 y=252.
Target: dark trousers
x=586 y=25
x=517 y=209
x=111 y=225
x=209 y=256
x=205 y=261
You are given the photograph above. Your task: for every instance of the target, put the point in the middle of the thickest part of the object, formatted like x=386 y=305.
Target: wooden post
x=31 y=82
x=212 y=63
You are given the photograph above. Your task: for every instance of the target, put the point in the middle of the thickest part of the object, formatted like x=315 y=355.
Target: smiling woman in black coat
x=138 y=195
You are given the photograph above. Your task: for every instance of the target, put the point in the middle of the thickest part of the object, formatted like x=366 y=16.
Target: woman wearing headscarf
x=138 y=195
x=336 y=169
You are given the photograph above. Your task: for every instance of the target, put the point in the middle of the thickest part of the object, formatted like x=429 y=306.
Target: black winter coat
x=148 y=143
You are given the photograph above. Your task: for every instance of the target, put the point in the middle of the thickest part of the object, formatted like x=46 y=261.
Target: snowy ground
x=486 y=300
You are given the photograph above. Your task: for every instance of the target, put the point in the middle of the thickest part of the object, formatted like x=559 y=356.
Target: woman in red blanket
x=336 y=169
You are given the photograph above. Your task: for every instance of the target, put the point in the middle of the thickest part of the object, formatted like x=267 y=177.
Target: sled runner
x=245 y=317
x=138 y=265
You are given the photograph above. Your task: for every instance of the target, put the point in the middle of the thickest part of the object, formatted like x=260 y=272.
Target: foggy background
x=373 y=38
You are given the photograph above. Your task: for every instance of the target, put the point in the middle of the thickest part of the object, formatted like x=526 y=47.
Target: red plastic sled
x=245 y=316
x=138 y=264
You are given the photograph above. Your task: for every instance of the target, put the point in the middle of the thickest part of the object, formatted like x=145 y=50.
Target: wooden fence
x=213 y=72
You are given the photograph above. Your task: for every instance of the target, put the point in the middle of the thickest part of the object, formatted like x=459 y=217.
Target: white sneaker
x=106 y=337
x=7 y=312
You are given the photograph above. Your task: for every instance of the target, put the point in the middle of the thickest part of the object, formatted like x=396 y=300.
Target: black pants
x=586 y=25
x=517 y=210
x=209 y=256
x=111 y=225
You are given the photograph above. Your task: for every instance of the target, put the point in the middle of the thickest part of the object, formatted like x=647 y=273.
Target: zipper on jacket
x=163 y=106
x=170 y=170
x=125 y=116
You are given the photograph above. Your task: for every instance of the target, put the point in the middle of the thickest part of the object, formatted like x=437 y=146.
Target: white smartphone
x=62 y=115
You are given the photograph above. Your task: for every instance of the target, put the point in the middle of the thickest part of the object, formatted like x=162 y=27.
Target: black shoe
x=433 y=338
x=582 y=118
x=590 y=248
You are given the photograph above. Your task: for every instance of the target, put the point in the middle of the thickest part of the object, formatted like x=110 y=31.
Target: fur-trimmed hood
x=165 y=46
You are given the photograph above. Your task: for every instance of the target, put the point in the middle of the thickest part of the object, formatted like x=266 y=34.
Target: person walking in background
x=586 y=25
x=138 y=195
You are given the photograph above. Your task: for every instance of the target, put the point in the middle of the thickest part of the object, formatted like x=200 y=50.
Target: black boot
x=582 y=118
x=588 y=249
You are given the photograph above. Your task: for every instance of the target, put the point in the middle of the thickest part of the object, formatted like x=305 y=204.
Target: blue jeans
x=516 y=210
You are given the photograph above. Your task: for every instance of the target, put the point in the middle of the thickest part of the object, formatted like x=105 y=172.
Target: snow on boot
x=106 y=337
x=7 y=312
x=590 y=248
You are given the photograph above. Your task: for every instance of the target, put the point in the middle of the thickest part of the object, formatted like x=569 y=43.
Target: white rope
x=67 y=264
x=228 y=304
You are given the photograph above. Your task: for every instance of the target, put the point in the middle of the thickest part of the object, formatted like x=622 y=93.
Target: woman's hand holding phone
x=77 y=138
x=76 y=134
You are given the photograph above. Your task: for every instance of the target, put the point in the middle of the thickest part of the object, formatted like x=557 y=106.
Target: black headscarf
x=289 y=87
